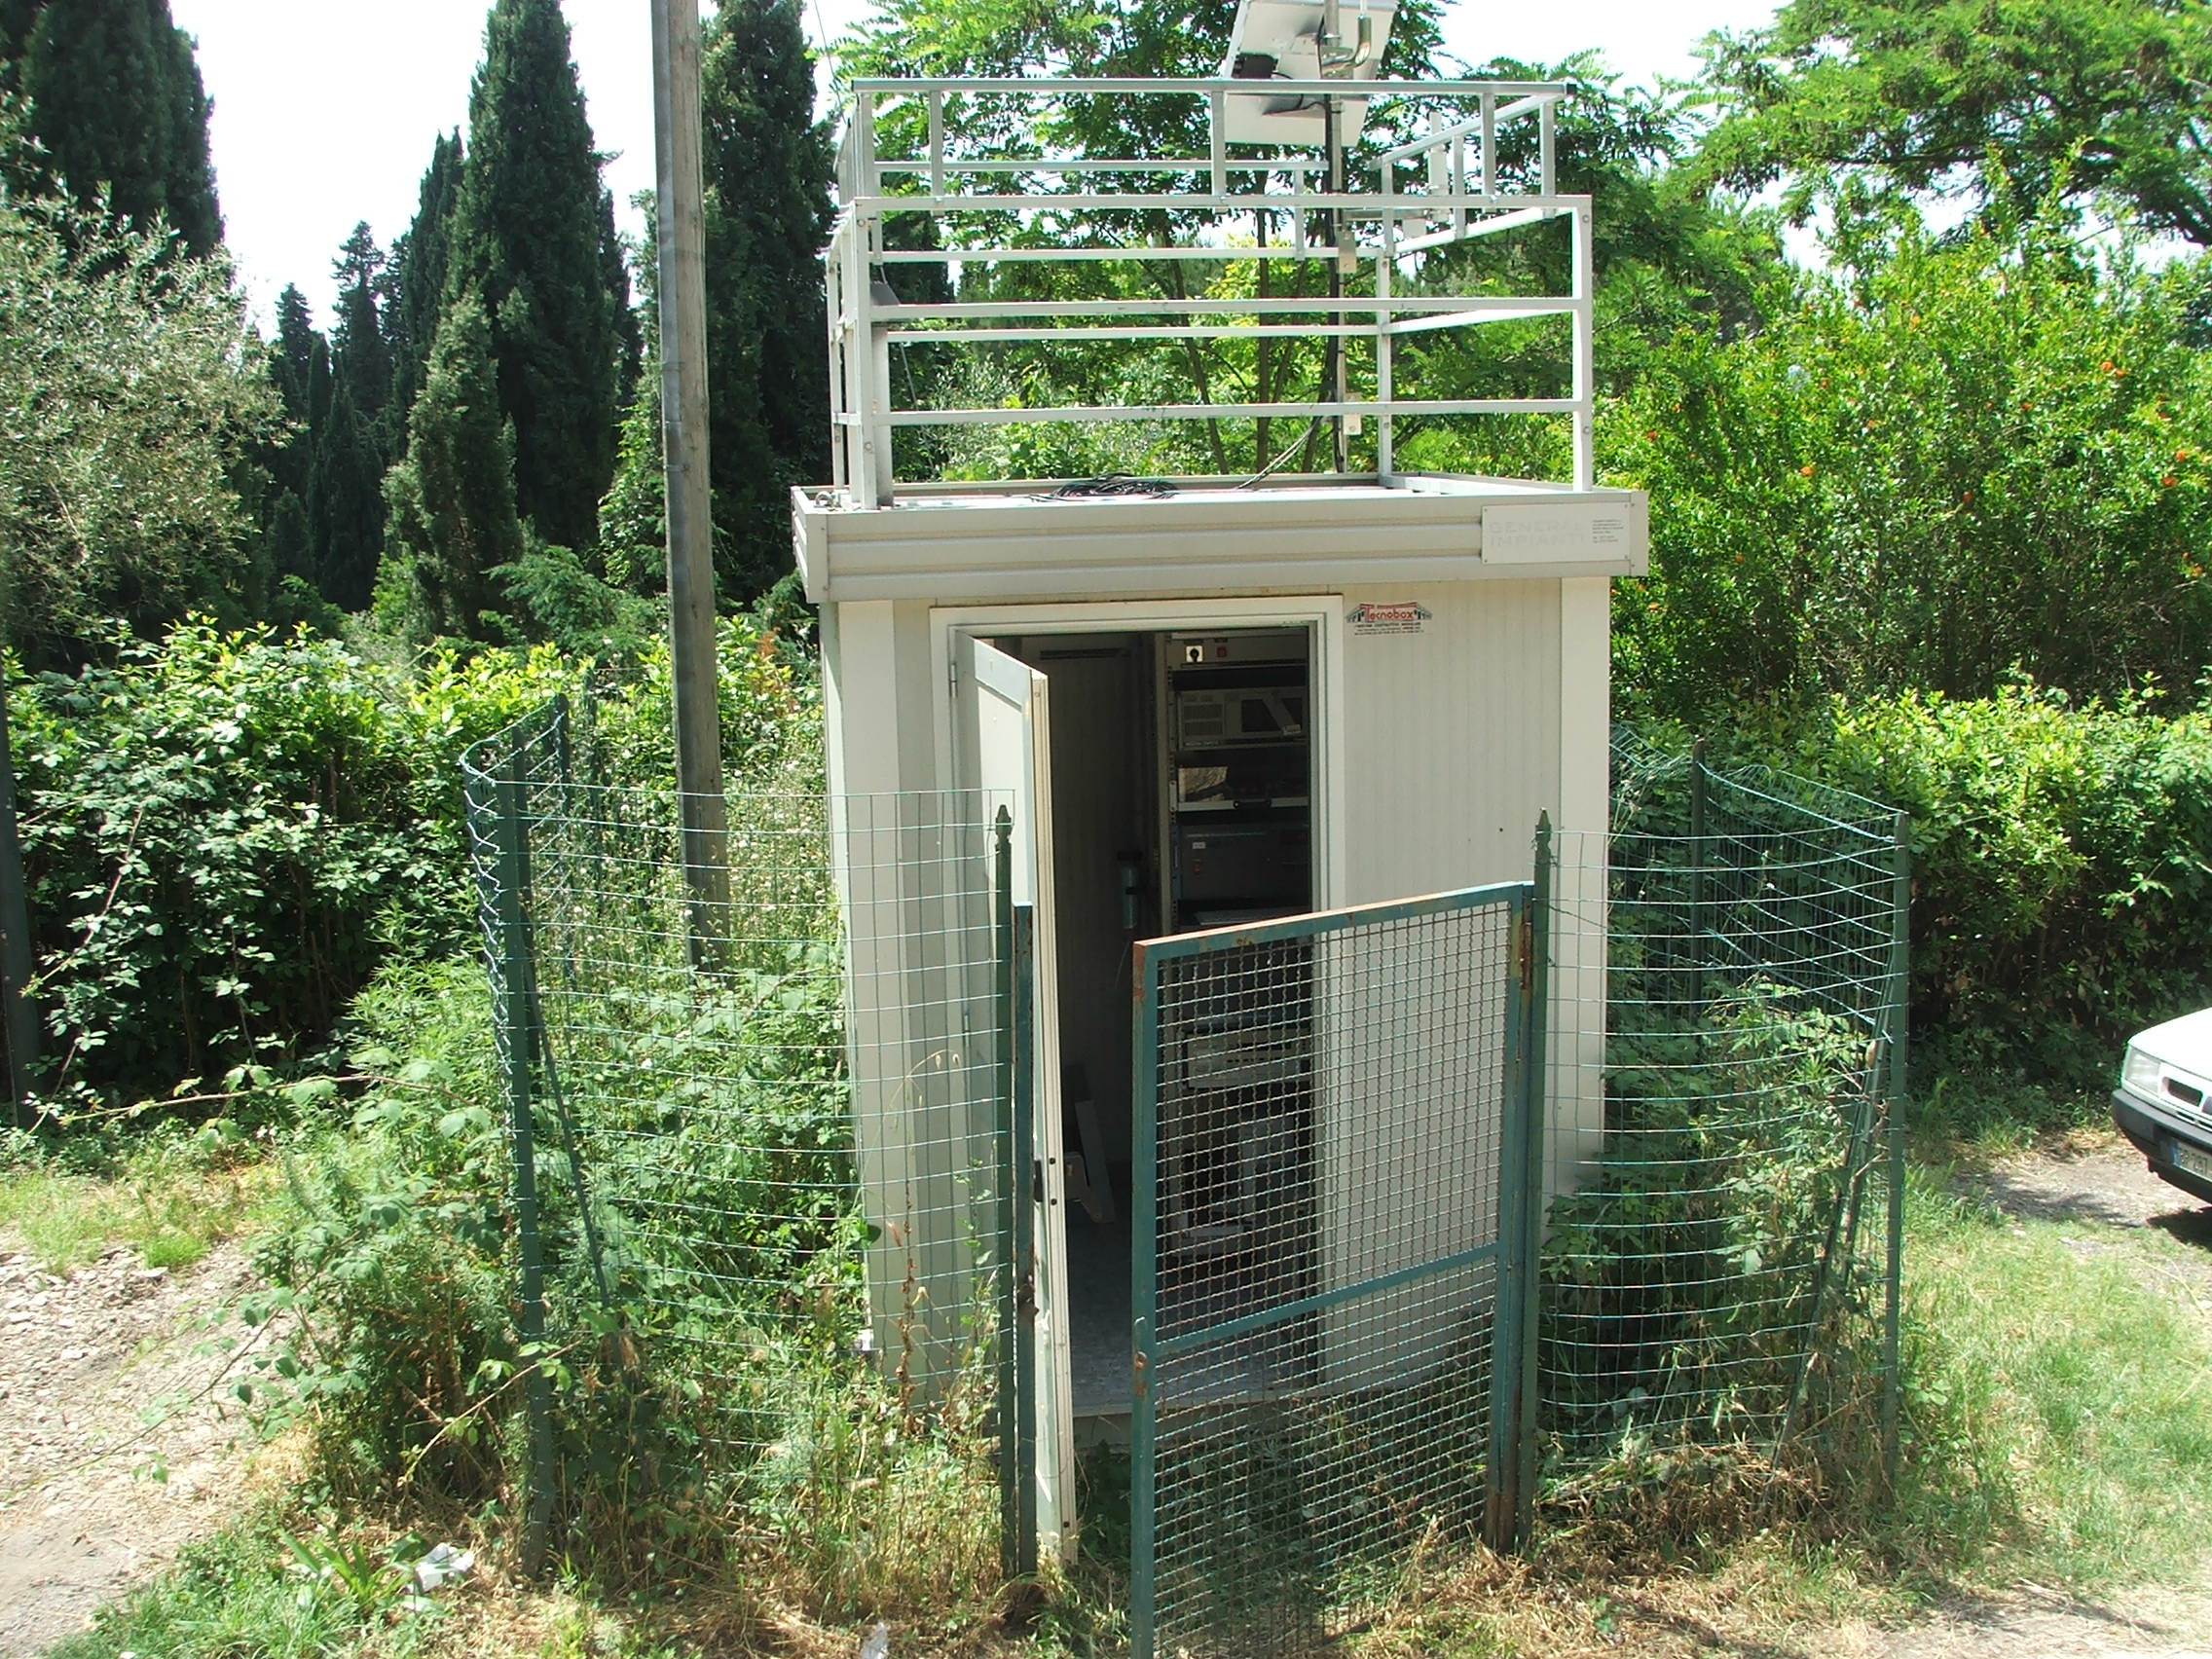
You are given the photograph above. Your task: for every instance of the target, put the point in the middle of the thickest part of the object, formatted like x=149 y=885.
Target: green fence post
x=1501 y=1478
x=1532 y=1176
x=18 y=1018
x=514 y=1013
x=1510 y=1501
x=1144 y=1270
x=1898 y=1011
x=1700 y=858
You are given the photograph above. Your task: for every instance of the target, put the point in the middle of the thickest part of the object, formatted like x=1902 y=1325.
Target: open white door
x=1004 y=745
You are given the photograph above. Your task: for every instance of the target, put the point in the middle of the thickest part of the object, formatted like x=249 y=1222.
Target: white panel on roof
x=1281 y=40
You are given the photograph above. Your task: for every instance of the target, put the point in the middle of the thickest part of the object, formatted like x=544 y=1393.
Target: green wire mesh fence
x=1720 y=1147
x=688 y=1184
x=780 y=1186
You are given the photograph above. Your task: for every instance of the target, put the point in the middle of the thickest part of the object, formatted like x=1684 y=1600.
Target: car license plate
x=2193 y=1160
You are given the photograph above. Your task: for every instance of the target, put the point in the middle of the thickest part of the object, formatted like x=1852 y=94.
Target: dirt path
x=115 y=1449
x=2098 y=1177
x=2023 y=1623
x=2037 y=1625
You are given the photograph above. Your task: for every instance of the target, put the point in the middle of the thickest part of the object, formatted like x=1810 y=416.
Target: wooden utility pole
x=682 y=237
x=18 y=1019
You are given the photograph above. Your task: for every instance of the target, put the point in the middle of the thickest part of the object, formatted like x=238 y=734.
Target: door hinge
x=1525 y=951
x=953 y=674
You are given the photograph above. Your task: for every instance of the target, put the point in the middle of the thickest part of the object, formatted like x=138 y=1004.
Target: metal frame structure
x=1445 y=188
x=685 y=1154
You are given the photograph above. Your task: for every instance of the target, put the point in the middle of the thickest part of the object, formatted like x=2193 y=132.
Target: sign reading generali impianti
x=1403 y=616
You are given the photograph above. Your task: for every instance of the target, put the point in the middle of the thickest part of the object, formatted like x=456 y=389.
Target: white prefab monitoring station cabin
x=1210 y=699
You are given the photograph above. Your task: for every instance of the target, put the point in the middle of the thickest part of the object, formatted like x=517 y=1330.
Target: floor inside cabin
x=1100 y=1301
x=1194 y=1291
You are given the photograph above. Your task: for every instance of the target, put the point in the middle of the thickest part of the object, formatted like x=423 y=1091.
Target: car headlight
x=2140 y=1071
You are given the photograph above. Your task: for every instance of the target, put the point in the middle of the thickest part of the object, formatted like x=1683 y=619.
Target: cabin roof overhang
x=999 y=542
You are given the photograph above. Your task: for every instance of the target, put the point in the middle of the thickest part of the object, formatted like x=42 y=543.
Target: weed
x=872 y=1511
x=1685 y=1295
x=61 y=1217
x=258 y=1591
x=167 y=1195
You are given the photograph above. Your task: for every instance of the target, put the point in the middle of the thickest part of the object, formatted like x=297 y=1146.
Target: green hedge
x=227 y=832
x=2062 y=858
x=1954 y=460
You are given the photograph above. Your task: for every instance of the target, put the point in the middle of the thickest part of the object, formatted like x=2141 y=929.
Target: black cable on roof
x=1109 y=484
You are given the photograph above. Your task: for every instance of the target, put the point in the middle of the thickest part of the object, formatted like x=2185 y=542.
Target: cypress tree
x=527 y=237
x=633 y=519
x=360 y=352
x=353 y=448
x=349 y=471
x=629 y=331
x=450 y=503
x=418 y=262
x=15 y=19
x=768 y=167
x=188 y=168
x=299 y=366
x=117 y=100
x=293 y=365
x=290 y=551
x=321 y=391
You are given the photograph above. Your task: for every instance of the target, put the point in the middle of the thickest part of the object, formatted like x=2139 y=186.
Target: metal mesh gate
x=1336 y=1128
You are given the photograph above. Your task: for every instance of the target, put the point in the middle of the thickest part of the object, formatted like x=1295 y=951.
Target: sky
x=325 y=110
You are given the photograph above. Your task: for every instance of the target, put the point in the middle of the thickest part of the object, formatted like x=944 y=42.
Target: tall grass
x=243 y=1595
x=2059 y=1399
x=170 y=1199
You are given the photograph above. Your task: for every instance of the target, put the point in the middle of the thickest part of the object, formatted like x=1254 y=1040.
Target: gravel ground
x=115 y=1448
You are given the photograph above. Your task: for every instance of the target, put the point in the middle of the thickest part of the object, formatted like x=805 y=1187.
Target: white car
x=2164 y=1103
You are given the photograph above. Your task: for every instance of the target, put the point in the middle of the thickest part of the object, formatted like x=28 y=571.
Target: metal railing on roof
x=981 y=176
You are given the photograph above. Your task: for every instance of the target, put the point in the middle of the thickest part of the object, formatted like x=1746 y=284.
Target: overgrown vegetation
x=701 y=1248
x=225 y=832
x=2062 y=871
x=1952 y=463
x=1928 y=524
x=1687 y=1297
